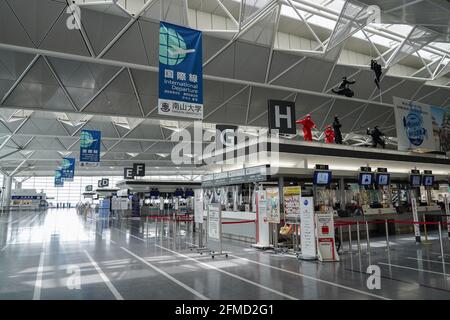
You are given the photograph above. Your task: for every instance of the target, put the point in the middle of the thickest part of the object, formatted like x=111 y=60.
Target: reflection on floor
x=60 y=255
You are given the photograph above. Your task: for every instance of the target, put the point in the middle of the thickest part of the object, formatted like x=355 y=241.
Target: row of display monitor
x=323 y=178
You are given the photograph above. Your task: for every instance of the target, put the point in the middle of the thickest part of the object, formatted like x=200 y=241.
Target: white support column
x=7 y=183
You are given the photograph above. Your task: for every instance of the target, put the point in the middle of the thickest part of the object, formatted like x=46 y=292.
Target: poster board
x=326 y=249
x=262 y=228
x=307 y=231
x=198 y=206
x=215 y=227
x=273 y=205
x=291 y=196
x=413 y=123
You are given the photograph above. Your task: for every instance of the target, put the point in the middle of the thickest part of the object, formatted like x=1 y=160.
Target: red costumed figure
x=329 y=134
x=307 y=124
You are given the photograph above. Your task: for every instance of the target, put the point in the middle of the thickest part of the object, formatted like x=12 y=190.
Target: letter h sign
x=282 y=116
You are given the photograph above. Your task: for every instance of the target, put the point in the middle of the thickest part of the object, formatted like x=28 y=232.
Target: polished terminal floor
x=58 y=254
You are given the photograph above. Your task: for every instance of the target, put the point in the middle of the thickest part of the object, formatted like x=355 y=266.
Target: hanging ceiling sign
x=68 y=169
x=128 y=173
x=282 y=116
x=59 y=181
x=180 y=71
x=138 y=169
x=90 y=141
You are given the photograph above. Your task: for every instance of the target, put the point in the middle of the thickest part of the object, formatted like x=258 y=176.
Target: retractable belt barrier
x=340 y=224
x=238 y=222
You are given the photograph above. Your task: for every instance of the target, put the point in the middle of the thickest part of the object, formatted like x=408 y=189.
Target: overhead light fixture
x=163 y=155
x=133 y=154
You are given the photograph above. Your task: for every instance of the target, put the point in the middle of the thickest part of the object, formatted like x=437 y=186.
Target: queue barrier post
x=440 y=241
x=368 y=237
x=358 y=237
x=387 y=234
x=341 y=236
x=425 y=228
x=146 y=226
x=350 y=239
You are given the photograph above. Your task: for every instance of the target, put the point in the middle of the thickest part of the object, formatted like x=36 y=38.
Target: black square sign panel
x=282 y=116
x=139 y=169
x=128 y=173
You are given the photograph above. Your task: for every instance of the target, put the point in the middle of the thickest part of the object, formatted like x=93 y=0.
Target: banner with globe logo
x=68 y=169
x=90 y=141
x=180 y=71
x=414 y=125
x=59 y=181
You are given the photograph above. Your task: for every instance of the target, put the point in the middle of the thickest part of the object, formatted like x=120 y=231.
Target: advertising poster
x=180 y=71
x=291 y=197
x=90 y=141
x=441 y=128
x=214 y=221
x=59 y=181
x=68 y=169
x=273 y=205
x=414 y=125
x=307 y=231
x=325 y=237
x=263 y=230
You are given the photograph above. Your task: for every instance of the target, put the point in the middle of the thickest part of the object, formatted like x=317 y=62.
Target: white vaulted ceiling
x=55 y=81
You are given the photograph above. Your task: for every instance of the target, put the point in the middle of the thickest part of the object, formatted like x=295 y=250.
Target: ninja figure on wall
x=376 y=135
x=307 y=124
x=344 y=88
x=337 y=130
x=376 y=68
x=329 y=134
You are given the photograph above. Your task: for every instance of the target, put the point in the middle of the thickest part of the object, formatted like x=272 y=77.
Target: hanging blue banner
x=90 y=141
x=68 y=169
x=180 y=71
x=59 y=181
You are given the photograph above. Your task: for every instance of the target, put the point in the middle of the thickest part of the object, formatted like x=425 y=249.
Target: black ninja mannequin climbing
x=377 y=71
x=344 y=88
